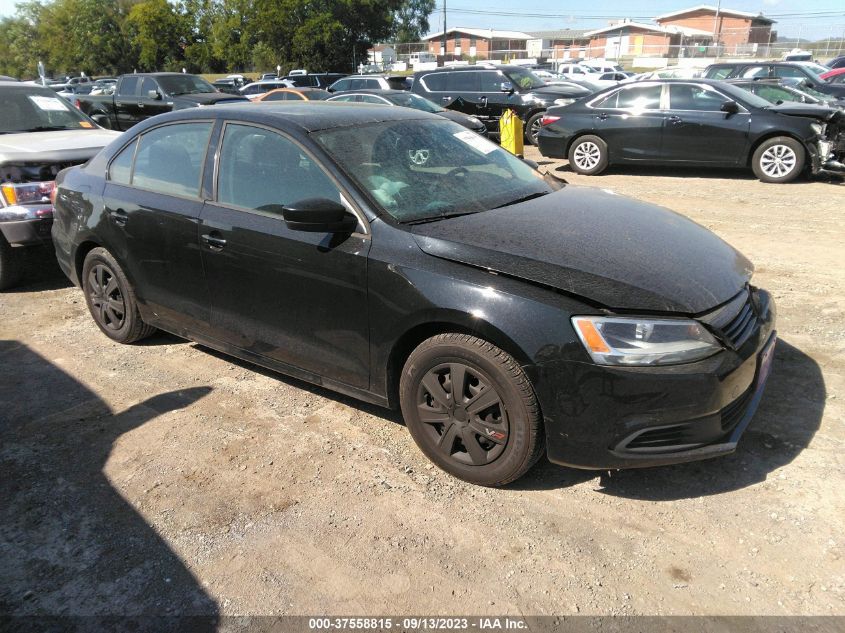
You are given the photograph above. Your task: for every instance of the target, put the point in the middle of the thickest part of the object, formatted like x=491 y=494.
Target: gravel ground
x=165 y=478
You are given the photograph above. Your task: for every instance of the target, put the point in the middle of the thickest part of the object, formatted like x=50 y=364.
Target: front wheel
x=471 y=409
x=779 y=159
x=588 y=155
x=111 y=300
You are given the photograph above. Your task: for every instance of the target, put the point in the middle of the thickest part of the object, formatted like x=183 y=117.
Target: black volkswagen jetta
x=395 y=256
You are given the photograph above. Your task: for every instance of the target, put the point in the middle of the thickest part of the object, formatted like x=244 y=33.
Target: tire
x=532 y=128
x=588 y=155
x=491 y=445
x=11 y=264
x=779 y=159
x=111 y=300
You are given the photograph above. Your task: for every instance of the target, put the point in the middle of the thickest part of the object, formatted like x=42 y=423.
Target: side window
x=372 y=99
x=260 y=169
x=467 y=81
x=609 y=102
x=640 y=98
x=719 y=73
x=373 y=84
x=128 y=85
x=344 y=98
x=341 y=84
x=490 y=81
x=687 y=97
x=147 y=85
x=170 y=158
x=120 y=169
x=276 y=96
x=755 y=71
x=435 y=82
x=789 y=71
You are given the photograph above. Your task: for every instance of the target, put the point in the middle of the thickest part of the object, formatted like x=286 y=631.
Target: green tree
x=157 y=33
x=411 y=20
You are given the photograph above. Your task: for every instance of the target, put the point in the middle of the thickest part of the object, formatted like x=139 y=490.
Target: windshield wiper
x=530 y=196
x=47 y=128
x=443 y=216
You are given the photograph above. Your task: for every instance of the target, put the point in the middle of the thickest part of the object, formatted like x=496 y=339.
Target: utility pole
x=716 y=29
x=444 y=31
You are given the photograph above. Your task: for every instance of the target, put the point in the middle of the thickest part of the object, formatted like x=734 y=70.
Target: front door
x=148 y=106
x=696 y=129
x=294 y=297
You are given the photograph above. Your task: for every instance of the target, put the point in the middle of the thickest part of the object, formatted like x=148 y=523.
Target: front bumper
x=599 y=417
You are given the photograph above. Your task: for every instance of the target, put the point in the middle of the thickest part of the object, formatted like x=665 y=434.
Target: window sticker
x=85 y=124
x=48 y=104
x=475 y=141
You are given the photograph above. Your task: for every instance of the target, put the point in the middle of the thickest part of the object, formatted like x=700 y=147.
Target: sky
x=596 y=14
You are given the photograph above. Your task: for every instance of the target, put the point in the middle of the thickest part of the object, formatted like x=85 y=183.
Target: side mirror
x=154 y=94
x=506 y=86
x=319 y=215
x=532 y=164
x=731 y=107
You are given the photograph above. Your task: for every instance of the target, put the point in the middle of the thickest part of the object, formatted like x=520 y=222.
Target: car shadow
x=71 y=545
x=41 y=273
x=790 y=413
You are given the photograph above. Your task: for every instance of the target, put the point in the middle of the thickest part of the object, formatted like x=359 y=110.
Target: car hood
x=57 y=145
x=560 y=91
x=813 y=111
x=210 y=98
x=614 y=251
x=463 y=119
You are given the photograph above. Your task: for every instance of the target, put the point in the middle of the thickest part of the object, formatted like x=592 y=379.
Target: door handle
x=445 y=99
x=602 y=116
x=119 y=216
x=140 y=105
x=214 y=241
x=675 y=119
x=482 y=100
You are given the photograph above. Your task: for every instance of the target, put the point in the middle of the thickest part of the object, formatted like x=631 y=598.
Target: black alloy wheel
x=108 y=305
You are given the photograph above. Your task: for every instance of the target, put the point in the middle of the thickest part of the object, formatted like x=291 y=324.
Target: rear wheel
x=471 y=409
x=779 y=159
x=111 y=300
x=11 y=264
x=588 y=155
x=532 y=128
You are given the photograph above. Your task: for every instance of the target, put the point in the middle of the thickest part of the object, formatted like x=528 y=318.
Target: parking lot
x=164 y=477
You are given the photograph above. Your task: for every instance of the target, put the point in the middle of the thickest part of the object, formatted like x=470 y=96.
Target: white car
x=257 y=88
x=605 y=80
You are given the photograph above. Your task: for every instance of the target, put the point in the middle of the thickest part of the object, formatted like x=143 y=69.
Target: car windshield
x=525 y=79
x=425 y=170
x=815 y=69
x=185 y=85
x=410 y=100
x=38 y=110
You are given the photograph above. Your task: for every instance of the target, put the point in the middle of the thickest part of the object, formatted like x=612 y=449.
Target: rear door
x=630 y=121
x=126 y=101
x=463 y=92
x=696 y=129
x=294 y=297
x=152 y=205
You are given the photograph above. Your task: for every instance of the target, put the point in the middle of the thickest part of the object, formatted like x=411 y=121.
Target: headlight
x=26 y=193
x=564 y=101
x=632 y=341
x=818 y=128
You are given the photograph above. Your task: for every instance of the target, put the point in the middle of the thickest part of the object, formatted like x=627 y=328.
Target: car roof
x=373 y=91
x=308 y=116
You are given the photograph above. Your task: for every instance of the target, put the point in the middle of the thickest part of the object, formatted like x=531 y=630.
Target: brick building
x=479 y=43
x=735 y=30
x=637 y=39
x=560 y=44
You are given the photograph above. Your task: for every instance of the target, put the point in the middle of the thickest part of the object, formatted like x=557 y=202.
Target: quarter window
x=467 y=81
x=755 y=71
x=260 y=169
x=170 y=158
x=120 y=170
x=435 y=82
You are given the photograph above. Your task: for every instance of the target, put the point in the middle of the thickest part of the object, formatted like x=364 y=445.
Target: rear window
x=719 y=72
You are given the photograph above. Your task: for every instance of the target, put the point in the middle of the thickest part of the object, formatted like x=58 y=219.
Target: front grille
x=735 y=321
x=732 y=414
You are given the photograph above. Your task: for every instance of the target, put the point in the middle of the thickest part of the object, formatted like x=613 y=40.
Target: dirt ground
x=165 y=478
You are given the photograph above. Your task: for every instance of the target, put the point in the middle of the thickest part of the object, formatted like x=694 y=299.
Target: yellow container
x=510 y=131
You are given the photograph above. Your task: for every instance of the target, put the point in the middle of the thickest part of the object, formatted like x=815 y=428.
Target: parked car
x=675 y=72
x=293 y=94
x=140 y=96
x=486 y=91
x=601 y=68
x=229 y=85
x=778 y=91
x=396 y=257
x=7 y=78
x=568 y=80
x=835 y=76
x=104 y=86
x=605 y=80
x=40 y=134
x=695 y=122
x=371 y=82
x=405 y=99
x=257 y=88
x=801 y=70
x=836 y=62
x=314 y=80
x=268 y=76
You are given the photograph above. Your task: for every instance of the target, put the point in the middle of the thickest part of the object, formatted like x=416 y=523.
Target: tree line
x=203 y=36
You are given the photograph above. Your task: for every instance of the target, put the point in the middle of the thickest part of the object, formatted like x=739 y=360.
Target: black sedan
x=406 y=99
x=392 y=255
x=694 y=122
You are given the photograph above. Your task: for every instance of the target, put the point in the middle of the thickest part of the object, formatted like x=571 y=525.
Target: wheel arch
x=450 y=321
x=79 y=255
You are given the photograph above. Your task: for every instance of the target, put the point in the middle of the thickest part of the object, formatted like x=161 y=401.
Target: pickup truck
x=140 y=96
x=40 y=134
